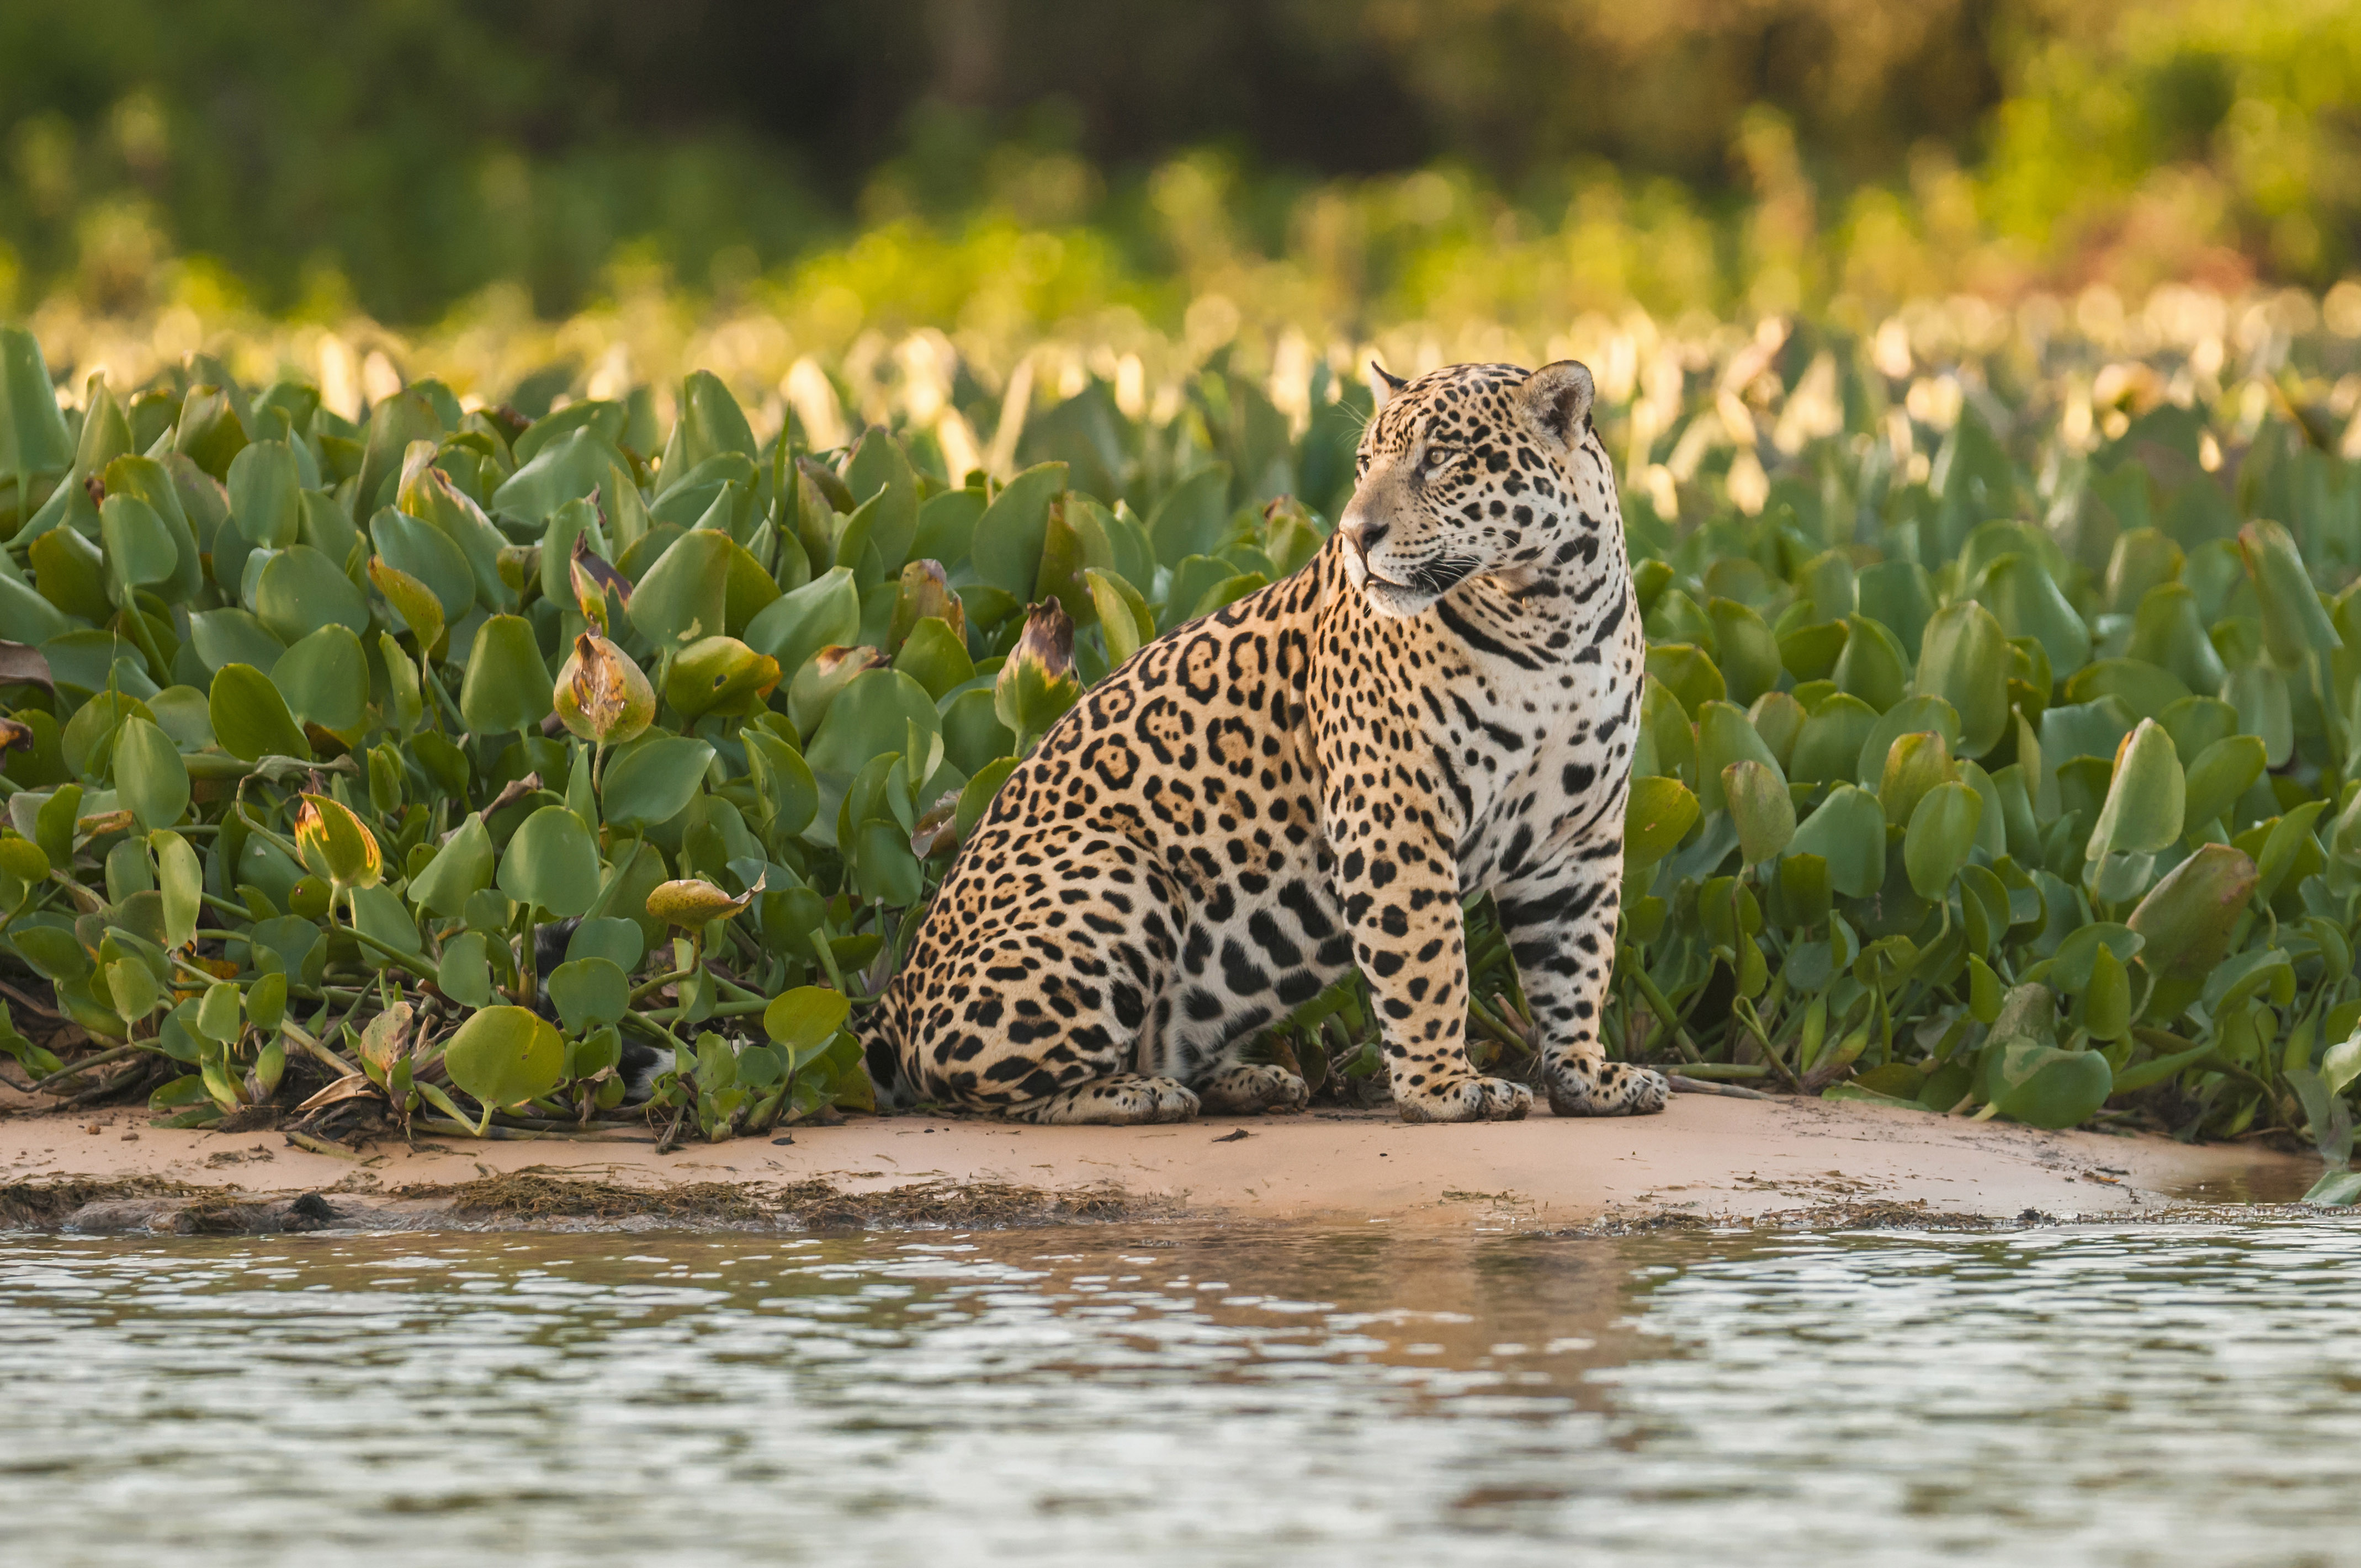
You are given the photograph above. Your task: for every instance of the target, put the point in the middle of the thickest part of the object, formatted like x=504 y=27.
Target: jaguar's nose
x=1365 y=533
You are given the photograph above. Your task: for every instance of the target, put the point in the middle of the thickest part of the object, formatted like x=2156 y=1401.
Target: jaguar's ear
x=1557 y=399
x=1393 y=383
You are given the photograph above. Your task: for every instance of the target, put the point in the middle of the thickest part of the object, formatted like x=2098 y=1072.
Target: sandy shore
x=1705 y=1158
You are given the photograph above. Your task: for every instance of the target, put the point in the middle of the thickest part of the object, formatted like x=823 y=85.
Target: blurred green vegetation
x=400 y=160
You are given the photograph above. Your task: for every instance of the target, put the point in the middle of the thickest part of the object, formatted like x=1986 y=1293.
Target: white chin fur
x=1390 y=599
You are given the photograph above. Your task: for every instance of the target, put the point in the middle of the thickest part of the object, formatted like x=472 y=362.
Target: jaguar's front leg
x=1560 y=922
x=1401 y=898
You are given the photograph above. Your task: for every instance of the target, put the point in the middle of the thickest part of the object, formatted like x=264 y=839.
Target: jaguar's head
x=1472 y=468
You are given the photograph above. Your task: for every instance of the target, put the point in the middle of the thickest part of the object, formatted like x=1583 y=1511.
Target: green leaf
x=823 y=613
x=2295 y=626
x=685 y=595
x=619 y=941
x=2145 y=688
x=2143 y=809
x=868 y=719
x=461 y=867
x=1942 y=831
x=149 y=776
x=1125 y=619
x=181 y=879
x=265 y=494
x=1849 y=832
x=325 y=681
x=1749 y=656
x=590 y=993
x=884 y=866
x=1872 y=667
x=2222 y=773
x=1687 y=674
x=1917 y=765
x=140 y=548
x=300 y=591
x=33 y=434
x=505 y=1056
x=250 y=719
x=1828 y=747
x=653 y=780
x=507 y=686
x=719 y=676
x=1964 y=660
x=465 y=975
x=805 y=1019
x=1658 y=816
x=1010 y=535
x=1190 y=520
x=423 y=552
x=2042 y=1086
x=378 y=912
x=2026 y=602
x=1758 y=803
x=1725 y=735
x=552 y=863
x=936 y=658
x=565 y=469
x=2260 y=695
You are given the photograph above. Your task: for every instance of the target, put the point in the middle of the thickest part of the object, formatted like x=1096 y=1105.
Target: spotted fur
x=1441 y=701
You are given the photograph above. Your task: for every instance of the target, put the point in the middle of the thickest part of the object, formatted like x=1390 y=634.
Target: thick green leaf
x=653 y=780
x=805 y=1019
x=1658 y=816
x=868 y=719
x=462 y=866
x=590 y=993
x=1192 y=518
x=1964 y=661
x=1941 y=833
x=325 y=680
x=300 y=590
x=149 y=777
x=507 y=686
x=1010 y=534
x=1872 y=667
x=2143 y=809
x=1758 y=803
x=685 y=595
x=250 y=719
x=2295 y=626
x=1848 y=830
x=552 y=863
x=505 y=1056
x=2026 y=602
x=2186 y=922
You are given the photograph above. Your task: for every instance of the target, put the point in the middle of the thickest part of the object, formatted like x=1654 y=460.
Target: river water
x=1167 y=1395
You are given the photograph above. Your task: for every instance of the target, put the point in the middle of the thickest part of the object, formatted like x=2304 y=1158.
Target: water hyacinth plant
x=428 y=758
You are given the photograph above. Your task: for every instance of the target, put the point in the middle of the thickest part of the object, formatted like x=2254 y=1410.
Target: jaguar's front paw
x=1253 y=1087
x=1467 y=1099
x=1586 y=1086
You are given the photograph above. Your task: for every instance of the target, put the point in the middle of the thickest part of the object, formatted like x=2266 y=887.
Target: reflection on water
x=1182 y=1395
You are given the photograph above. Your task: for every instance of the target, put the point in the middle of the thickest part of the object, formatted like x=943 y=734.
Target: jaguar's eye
x=1438 y=457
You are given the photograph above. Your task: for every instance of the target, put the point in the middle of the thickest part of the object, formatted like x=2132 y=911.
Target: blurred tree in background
x=400 y=157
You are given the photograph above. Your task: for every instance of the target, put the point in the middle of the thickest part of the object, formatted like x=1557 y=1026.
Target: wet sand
x=1705 y=1158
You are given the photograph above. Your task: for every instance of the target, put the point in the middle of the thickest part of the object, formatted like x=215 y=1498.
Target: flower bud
x=600 y=695
x=926 y=591
x=1038 y=684
x=337 y=844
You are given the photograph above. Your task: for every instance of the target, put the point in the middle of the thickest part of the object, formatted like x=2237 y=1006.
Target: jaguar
x=1441 y=703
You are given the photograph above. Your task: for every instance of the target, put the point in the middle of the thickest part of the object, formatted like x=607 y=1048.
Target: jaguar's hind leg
x=1252 y=1087
x=1121 y=1099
